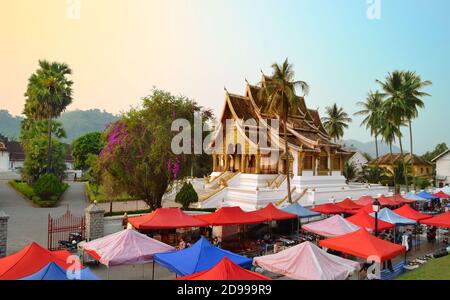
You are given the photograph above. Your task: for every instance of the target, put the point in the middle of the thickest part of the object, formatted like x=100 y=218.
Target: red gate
x=61 y=228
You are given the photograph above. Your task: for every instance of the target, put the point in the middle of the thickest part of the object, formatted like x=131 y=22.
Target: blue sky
x=120 y=49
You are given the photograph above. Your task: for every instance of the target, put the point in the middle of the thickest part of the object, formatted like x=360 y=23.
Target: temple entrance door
x=231 y=163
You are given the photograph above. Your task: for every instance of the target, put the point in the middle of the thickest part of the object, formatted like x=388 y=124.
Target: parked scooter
x=72 y=243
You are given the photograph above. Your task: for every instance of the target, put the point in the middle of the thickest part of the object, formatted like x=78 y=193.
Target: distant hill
x=369 y=147
x=76 y=123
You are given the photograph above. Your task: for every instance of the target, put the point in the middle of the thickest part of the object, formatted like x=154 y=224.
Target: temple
x=249 y=154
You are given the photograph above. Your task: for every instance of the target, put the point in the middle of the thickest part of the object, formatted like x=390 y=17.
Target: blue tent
x=412 y=196
x=427 y=196
x=199 y=257
x=300 y=211
x=53 y=271
x=389 y=216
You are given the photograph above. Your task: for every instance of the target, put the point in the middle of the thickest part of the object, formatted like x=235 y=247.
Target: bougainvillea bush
x=137 y=152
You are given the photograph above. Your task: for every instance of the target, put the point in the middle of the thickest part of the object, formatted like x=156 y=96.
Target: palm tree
x=395 y=107
x=413 y=101
x=281 y=99
x=350 y=171
x=389 y=131
x=336 y=121
x=371 y=108
x=48 y=94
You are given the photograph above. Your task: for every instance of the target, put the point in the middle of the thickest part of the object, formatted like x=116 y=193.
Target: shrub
x=48 y=186
x=186 y=195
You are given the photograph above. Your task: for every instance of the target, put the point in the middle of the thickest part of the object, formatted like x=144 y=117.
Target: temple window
x=323 y=163
x=308 y=162
x=337 y=163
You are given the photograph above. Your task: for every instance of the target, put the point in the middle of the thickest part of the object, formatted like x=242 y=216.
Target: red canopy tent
x=271 y=213
x=225 y=270
x=410 y=213
x=364 y=245
x=329 y=209
x=366 y=208
x=362 y=219
x=166 y=218
x=30 y=260
x=442 y=195
x=230 y=216
x=349 y=205
x=388 y=201
x=401 y=199
x=364 y=200
x=442 y=220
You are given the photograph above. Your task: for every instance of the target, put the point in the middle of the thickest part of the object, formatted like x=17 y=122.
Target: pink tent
x=126 y=247
x=330 y=227
x=306 y=261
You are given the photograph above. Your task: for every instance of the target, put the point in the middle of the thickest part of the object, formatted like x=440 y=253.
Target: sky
x=120 y=49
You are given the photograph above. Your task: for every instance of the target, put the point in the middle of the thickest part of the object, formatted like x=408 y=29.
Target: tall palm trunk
x=376 y=146
x=286 y=162
x=405 y=172
x=394 y=177
x=49 y=146
x=411 y=151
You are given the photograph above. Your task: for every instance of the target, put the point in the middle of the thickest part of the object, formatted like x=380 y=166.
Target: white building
x=442 y=162
x=4 y=158
x=358 y=160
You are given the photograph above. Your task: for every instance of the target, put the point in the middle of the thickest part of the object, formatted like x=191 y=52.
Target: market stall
x=300 y=211
x=349 y=205
x=329 y=209
x=306 y=261
x=225 y=270
x=365 y=200
x=53 y=271
x=364 y=220
x=165 y=218
x=333 y=226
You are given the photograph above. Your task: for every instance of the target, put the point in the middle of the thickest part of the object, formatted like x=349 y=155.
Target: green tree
x=280 y=92
x=186 y=195
x=438 y=150
x=89 y=143
x=389 y=131
x=371 y=109
x=350 y=171
x=48 y=94
x=336 y=121
x=413 y=101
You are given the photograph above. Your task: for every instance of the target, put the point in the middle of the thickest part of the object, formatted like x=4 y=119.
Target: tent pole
x=107 y=273
x=143 y=272
x=153 y=271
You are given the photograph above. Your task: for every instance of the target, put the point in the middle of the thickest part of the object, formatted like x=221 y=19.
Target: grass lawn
x=99 y=195
x=435 y=269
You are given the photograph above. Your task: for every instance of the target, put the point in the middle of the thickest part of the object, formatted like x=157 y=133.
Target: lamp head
x=376 y=205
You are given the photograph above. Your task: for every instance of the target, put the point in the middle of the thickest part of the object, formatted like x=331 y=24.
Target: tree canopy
x=89 y=143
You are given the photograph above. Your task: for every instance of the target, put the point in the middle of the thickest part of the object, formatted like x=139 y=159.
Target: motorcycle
x=71 y=244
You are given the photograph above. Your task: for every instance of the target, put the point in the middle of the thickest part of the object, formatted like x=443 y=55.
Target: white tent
x=306 y=261
x=330 y=227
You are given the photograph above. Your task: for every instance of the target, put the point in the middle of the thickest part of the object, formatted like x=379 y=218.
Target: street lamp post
x=376 y=208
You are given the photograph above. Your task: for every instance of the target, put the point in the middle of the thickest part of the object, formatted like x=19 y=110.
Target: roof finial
x=225 y=89
x=247 y=81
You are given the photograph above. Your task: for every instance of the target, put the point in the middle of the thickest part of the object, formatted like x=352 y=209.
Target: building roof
x=15 y=150
x=390 y=159
x=440 y=155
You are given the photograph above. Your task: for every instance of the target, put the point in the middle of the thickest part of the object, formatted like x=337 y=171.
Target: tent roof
x=329 y=209
x=427 y=196
x=300 y=211
x=199 y=257
x=333 y=226
x=400 y=198
x=271 y=213
x=349 y=205
x=230 y=216
x=362 y=219
x=445 y=189
x=442 y=220
x=442 y=195
x=389 y=216
x=126 y=247
x=165 y=218
x=412 y=196
x=364 y=245
x=306 y=261
x=364 y=200
x=388 y=201
x=225 y=270
x=29 y=260
x=53 y=271
x=410 y=213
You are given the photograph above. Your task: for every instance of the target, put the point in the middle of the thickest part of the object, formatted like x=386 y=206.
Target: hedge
x=28 y=192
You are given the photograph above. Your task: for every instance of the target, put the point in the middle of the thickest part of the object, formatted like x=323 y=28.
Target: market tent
x=53 y=271
x=441 y=195
x=388 y=201
x=165 y=218
x=225 y=270
x=271 y=213
x=442 y=220
x=402 y=200
x=410 y=213
x=300 y=211
x=199 y=257
x=445 y=189
x=126 y=247
x=362 y=219
x=412 y=196
x=364 y=245
x=329 y=209
x=226 y=216
x=306 y=261
x=333 y=226
x=368 y=208
x=427 y=196
x=389 y=216
x=31 y=259
x=364 y=200
x=349 y=205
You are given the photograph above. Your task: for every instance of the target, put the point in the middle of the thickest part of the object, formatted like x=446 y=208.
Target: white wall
x=443 y=167
x=4 y=161
x=359 y=160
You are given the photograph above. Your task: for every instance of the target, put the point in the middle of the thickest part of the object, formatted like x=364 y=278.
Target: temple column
x=258 y=161
x=214 y=156
x=341 y=164
x=314 y=165
x=330 y=163
x=301 y=156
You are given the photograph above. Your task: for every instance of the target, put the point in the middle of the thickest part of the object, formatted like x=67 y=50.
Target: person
x=181 y=244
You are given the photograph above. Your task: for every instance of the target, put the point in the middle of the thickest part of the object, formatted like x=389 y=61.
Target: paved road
x=28 y=223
